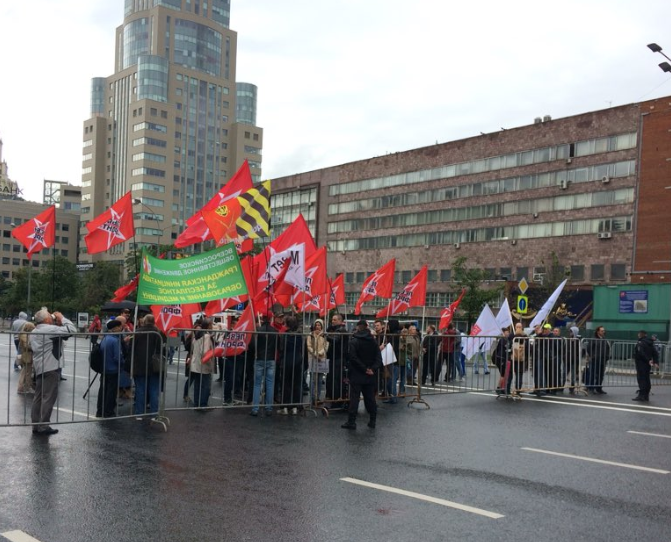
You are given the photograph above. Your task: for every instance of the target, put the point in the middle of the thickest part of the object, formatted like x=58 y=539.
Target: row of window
x=150 y=126
x=152 y=172
x=520 y=183
x=18 y=261
x=575 y=273
x=495 y=210
x=148 y=186
x=520 y=231
x=149 y=156
x=9 y=220
x=524 y=158
x=149 y=141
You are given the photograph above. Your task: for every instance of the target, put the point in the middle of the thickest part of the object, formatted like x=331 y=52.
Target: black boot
x=349 y=424
x=371 y=422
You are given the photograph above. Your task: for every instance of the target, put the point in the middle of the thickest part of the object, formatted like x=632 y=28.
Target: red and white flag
x=447 y=313
x=112 y=227
x=315 y=281
x=413 y=295
x=379 y=284
x=37 y=233
x=197 y=230
x=294 y=245
x=237 y=340
x=170 y=317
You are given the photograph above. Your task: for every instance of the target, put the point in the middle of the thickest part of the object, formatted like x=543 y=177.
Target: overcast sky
x=347 y=80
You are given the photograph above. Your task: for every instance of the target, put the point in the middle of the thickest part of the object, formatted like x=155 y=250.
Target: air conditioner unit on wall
x=457 y=245
x=605 y=180
x=563 y=184
x=605 y=235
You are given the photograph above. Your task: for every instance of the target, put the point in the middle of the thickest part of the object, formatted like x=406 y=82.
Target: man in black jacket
x=645 y=355
x=364 y=360
x=338 y=338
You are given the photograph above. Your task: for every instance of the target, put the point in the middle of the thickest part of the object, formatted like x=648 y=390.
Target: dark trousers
x=107 y=392
x=334 y=380
x=540 y=374
x=594 y=373
x=227 y=374
x=643 y=378
x=46 y=393
x=368 y=391
x=430 y=367
x=516 y=371
x=292 y=383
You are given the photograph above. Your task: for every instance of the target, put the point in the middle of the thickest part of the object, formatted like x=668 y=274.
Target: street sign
x=84 y=266
x=522 y=304
x=523 y=285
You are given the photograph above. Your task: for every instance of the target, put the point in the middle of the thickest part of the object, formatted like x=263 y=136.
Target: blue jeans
x=146 y=387
x=396 y=371
x=478 y=356
x=264 y=373
x=315 y=387
x=201 y=388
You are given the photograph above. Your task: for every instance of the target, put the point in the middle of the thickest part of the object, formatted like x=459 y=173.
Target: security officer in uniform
x=645 y=355
x=364 y=359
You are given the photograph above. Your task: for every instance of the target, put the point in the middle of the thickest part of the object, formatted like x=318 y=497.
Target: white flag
x=542 y=314
x=504 y=319
x=484 y=329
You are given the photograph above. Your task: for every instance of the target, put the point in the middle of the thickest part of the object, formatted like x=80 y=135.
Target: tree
x=98 y=285
x=479 y=290
x=57 y=286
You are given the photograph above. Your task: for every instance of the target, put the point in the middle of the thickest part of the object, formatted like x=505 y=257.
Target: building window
x=360 y=277
x=433 y=275
x=506 y=273
x=349 y=278
x=577 y=273
x=445 y=275
x=617 y=271
x=597 y=271
x=521 y=273
x=406 y=276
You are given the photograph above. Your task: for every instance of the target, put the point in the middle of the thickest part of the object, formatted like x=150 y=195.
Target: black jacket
x=146 y=342
x=266 y=342
x=364 y=353
x=645 y=351
x=338 y=339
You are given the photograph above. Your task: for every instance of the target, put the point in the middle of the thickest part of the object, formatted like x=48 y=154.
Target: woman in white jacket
x=317 y=348
x=201 y=372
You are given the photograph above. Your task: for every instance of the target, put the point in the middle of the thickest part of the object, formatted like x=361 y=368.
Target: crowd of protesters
x=331 y=365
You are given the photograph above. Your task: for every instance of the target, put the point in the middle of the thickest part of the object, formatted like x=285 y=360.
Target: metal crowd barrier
x=287 y=382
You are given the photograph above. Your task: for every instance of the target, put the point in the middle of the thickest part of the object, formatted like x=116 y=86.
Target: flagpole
x=53 y=280
x=419 y=399
x=30 y=273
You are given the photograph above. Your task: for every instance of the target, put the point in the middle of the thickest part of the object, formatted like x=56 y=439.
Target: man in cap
x=645 y=356
x=113 y=354
x=364 y=359
x=16 y=328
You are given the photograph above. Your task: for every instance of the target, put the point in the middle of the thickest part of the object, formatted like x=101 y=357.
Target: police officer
x=645 y=355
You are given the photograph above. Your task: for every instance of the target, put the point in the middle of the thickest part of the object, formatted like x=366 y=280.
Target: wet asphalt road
x=225 y=476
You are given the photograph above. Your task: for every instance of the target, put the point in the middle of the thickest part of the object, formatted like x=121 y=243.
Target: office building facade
x=586 y=193
x=165 y=124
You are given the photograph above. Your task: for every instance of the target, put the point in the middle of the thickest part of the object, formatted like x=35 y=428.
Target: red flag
x=242 y=246
x=112 y=227
x=197 y=230
x=448 y=312
x=220 y=305
x=237 y=340
x=379 y=284
x=37 y=233
x=124 y=291
x=413 y=295
x=221 y=220
x=169 y=317
x=315 y=281
x=265 y=297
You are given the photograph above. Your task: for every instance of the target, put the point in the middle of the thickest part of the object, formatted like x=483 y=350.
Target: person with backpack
x=113 y=360
x=95 y=329
x=501 y=359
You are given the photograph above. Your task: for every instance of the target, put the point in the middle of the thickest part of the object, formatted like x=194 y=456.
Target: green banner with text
x=213 y=275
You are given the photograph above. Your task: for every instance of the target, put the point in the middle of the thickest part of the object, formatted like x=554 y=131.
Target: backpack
x=97 y=359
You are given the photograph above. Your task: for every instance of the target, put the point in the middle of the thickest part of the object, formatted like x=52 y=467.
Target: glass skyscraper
x=171 y=124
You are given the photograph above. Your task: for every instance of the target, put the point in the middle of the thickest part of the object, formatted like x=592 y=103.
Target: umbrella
x=117 y=306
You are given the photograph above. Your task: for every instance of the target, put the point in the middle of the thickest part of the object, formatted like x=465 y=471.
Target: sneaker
x=349 y=425
x=254 y=413
x=283 y=411
x=294 y=411
x=371 y=424
x=640 y=399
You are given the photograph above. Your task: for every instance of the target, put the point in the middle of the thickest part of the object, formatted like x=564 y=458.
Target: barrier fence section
x=146 y=375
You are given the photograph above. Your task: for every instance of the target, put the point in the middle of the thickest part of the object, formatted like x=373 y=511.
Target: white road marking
x=18 y=536
x=591 y=404
x=427 y=498
x=603 y=462
x=648 y=434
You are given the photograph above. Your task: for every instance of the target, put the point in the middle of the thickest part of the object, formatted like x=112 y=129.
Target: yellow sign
x=523 y=285
x=522 y=304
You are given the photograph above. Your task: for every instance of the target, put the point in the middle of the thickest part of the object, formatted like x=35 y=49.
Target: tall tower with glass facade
x=171 y=124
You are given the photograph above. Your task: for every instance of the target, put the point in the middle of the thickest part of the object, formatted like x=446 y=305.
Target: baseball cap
x=547 y=326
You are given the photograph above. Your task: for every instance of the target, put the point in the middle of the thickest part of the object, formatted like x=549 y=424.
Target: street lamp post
x=665 y=66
